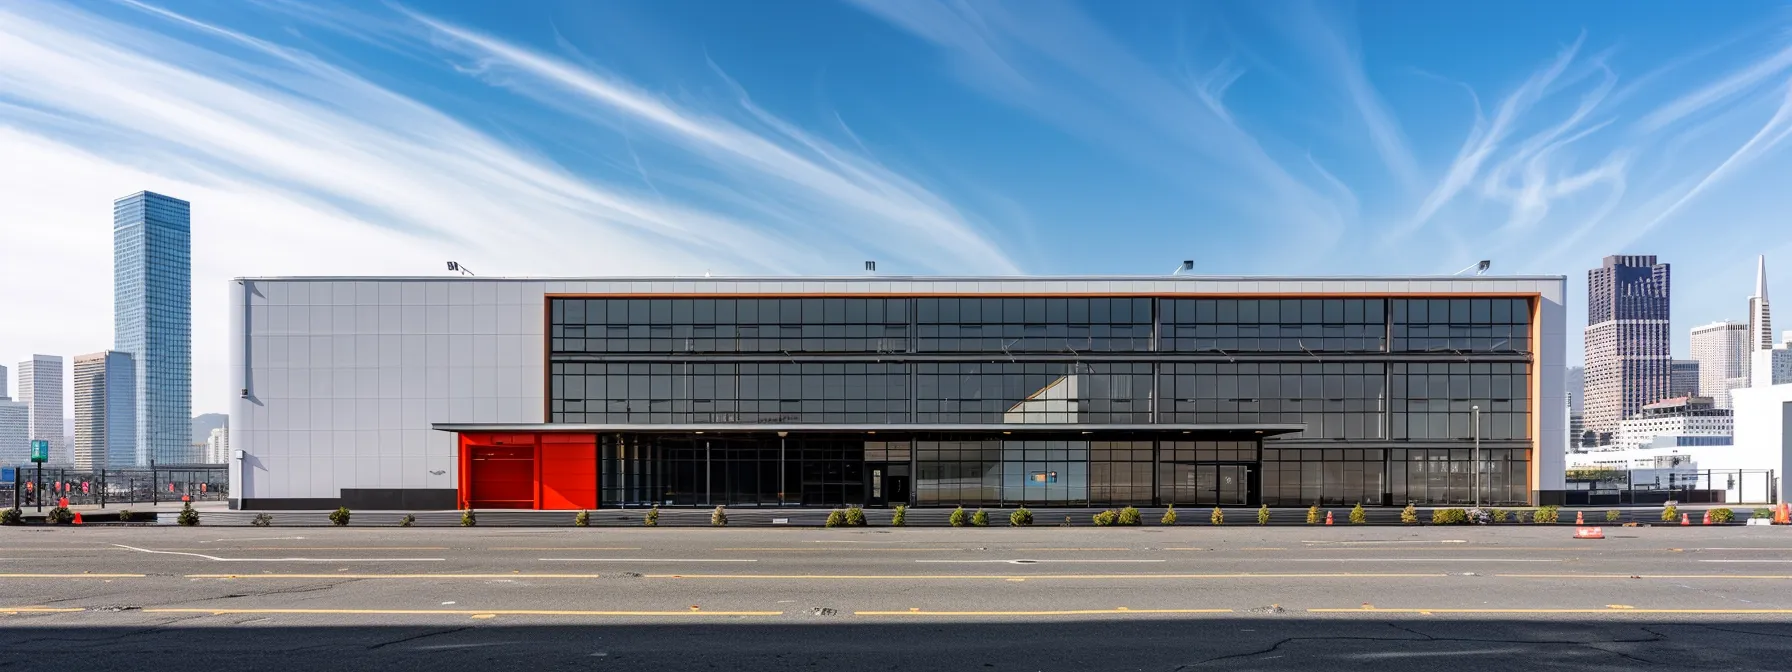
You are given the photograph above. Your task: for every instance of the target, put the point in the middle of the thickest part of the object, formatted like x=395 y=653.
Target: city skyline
x=1313 y=145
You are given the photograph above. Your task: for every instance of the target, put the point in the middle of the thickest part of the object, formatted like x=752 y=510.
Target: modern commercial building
x=1627 y=340
x=217 y=446
x=1683 y=421
x=40 y=388
x=15 y=427
x=105 y=411
x=1764 y=433
x=1683 y=378
x=1070 y=391
x=153 y=318
x=1577 y=392
x=1772 y=366
x=1721 y=349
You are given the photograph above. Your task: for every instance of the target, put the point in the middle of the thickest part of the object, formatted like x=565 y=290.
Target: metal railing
x=1621 y=487
x=113 y=487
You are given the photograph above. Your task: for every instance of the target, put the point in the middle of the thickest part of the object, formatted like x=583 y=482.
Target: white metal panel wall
x=345 y=377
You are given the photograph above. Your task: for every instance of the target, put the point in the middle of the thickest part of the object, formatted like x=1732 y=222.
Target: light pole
x=1477 y=426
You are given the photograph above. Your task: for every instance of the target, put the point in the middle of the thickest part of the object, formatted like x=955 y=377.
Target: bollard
x=1685 y=519
x=1707 y=517
x=1580 y=518
x=1328 y=518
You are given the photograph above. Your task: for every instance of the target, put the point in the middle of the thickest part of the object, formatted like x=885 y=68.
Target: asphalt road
x=928 y=599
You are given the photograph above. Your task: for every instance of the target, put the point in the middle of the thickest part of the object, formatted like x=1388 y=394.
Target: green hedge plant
x=1106 y=518
x=1169 y=515
x=582 y=520
x=1409 y=515
x=59 y=516
x=1721 y=515
x=1313 y=515
x=263 y=519
x=1263 y=515
x=1357 y=515
x=900 y=518
x=1547 y=514
x=12 y=516
x=1218 y=517
x=468 y=518
x=1670 y=514
x=1764 y=513
x=652 y=519
x=124 y=515
x=718 y=517
x=836 y=518
x=959 y=517
x=1611 y=516
x=407 y=521
x=339 y=517
x=855 y=516
x=1020 y=518
x=980 y=518
x=1449 y=517
x=188 y=517
x=1129 y=516
x=1501 y=515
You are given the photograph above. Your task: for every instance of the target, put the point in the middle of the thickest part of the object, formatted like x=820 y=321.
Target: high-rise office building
x=1760 y=317
x=1628 y=354
x=105 y=411
x=1721 y=349
x=217 y=446
x=4 y=395
x=1577 y=394
x=1683 y=378
x=40 y=388
x=152 y=312
x=15 y=427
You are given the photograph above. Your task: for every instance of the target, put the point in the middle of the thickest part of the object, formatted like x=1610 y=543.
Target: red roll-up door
x=502 y=477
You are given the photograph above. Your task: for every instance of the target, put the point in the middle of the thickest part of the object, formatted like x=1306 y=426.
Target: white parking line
x=1412 y=560
x=1024 y=561
x=645 y=560
x=1751 y=562
x=214 y=558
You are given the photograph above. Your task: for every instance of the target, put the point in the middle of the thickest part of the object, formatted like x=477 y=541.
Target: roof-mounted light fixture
x=455 y=266
x=1188 y=265
x=1479 y=267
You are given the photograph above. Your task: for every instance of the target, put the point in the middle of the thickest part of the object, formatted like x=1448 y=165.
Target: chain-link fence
x=27 y=486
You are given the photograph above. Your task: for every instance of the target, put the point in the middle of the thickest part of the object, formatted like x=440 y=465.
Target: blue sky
x=683 y=137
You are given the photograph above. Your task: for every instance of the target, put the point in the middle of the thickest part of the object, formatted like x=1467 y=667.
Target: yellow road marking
x=1646 y=576
x=1619 y=609
x=456 y=612
x=480 y=616
x=1457 y=547
x=1065 y=612
x=392 y=576
x=71 y=576
x=1252 y=548
x=1005 y=577
x=565 y=548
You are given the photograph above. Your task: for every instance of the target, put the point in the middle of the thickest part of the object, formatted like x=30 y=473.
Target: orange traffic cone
x=77 y=517
x=1685 y=519
x=1580 y=518
x=1328 y=517
x=1707 y=517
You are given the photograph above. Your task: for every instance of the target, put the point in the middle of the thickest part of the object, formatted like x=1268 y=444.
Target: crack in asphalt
x=1656 y=637
x=425 y=635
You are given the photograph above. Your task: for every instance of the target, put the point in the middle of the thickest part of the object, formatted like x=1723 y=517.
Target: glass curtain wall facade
x=153 y=318
x=1389 y=393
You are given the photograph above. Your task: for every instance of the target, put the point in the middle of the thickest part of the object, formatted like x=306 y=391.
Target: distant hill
x=205 y=423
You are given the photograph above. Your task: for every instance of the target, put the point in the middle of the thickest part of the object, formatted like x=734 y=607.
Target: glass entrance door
x=1209 y=484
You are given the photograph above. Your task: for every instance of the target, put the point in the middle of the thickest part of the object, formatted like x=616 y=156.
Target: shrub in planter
x=1722 y=515
x=980 y=518
x=1501 y=515
x=1449 y=517
x=339 y=516
x=1263 y=515
x=1670 y=514
x=1129 y=516
x=468 y=519
x=1357 y=515
x=959 y=517
x=59 y=516
x=900 y=518
x=1409 y=515
x=582 y=520
x=263 y=519
x=718 y=517
x=12 y=516
x=1476 y=516
x=855 y=517
x=1547 y=514
x=1169 y=515
x=1313 y=515
x=836 y=518
x=188 y=517
x=1611 y=516
x=652 y=519
x=407 y=520
x=1764 y=513
x=124 y=515
x=1105 y=518
x=1020 y=518
x=1218 y=517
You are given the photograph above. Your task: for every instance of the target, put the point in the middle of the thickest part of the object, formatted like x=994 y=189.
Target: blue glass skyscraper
x=153 y=316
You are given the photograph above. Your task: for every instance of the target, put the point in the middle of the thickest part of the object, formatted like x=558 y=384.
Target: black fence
x=1644 y=487
x=26 y=486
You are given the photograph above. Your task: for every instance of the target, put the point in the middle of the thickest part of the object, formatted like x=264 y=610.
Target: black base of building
x=375 y=499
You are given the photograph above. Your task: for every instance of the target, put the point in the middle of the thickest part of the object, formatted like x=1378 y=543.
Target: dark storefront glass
x=1384 y=389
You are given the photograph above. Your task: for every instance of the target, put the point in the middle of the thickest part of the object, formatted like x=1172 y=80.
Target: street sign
x=40 y=451
x=8 y=474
